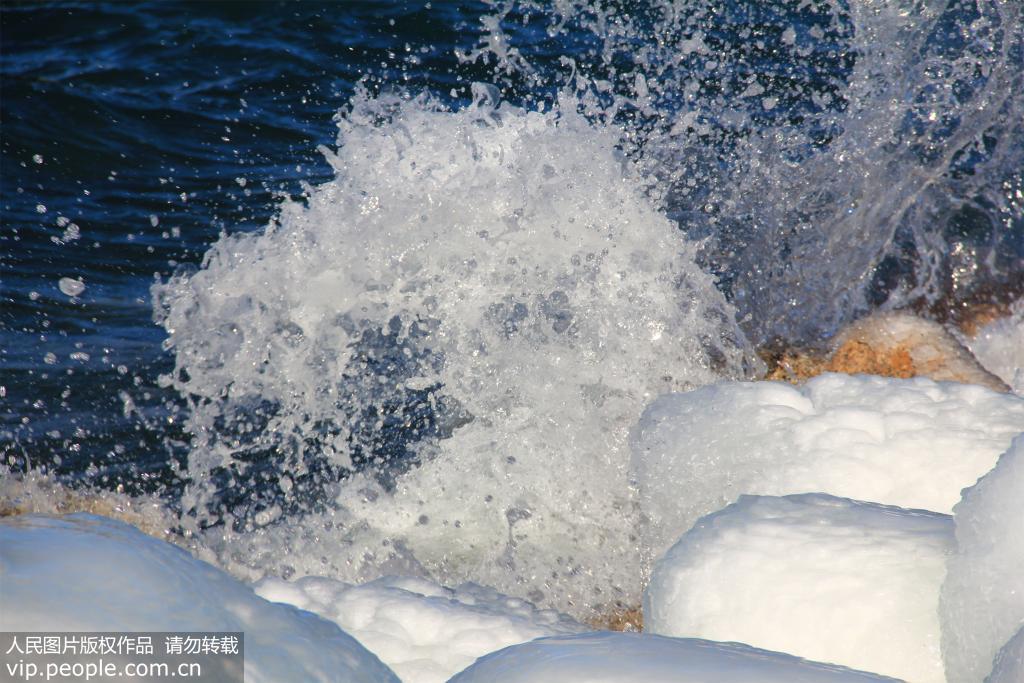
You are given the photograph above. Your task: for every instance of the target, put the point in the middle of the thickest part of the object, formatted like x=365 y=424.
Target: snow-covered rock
x=640 y=658
x=88 y=573
x=423 y=631
x=983 y=595
x=913 y=443
x=825 y=578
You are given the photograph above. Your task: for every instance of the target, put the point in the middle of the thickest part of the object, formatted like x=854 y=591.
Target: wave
x=435 y=358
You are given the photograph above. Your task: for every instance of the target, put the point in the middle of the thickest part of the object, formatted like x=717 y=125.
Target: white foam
x=554 y=299
x=825 y=578
x=912 y=443
x=89 y=573
x=983 y=595
x=642 y=658
x=425 y=632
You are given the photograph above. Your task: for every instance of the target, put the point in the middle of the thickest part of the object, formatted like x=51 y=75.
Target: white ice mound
x=983 y=595
x=999 y=346
x=1008 y=666
x=829 y=579
x=423 y=631
x=606 y=657
x=913 y=443
x=89 y=573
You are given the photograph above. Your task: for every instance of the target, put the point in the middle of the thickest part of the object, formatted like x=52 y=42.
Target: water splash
x=883 y=134
x=436 y=358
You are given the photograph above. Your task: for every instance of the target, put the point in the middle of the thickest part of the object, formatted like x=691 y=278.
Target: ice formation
x=485 y=292
x=913 y=443
x=425 y=632
x=1000 y=348
x=635 y=658
x=87 y=573
x=982 y=603
x=1008 y=666
x=825 y=578
x=453 y=337
x=429 y=364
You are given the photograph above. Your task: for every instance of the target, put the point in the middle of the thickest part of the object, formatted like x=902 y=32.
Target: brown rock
x=622 y=618
x=859 y=357
x=974 y=318
x=891 y=345
x=38 y=494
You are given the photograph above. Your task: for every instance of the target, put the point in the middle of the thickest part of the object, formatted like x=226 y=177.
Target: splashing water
x=451 y=340
x=883 y=134
x=430 y=364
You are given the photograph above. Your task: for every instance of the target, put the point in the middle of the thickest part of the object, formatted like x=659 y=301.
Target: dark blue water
x=137 y=123
x=134 y=134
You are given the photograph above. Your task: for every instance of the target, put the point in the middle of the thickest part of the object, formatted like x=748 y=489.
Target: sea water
x=416 y=270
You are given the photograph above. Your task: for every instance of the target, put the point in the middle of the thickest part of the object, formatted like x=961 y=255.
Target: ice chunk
x=999 y=346
x=913 y=443
x=423 y=631
x=1009 y=663
x=983 y=594
x=631 y=657
x=89 y=573
x=817 y=576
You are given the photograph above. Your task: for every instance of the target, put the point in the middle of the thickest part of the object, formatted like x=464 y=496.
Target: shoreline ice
x=824 y=578
x=82 y=572
x=796 y=573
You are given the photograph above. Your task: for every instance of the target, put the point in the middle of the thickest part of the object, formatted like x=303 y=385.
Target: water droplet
x=71 y=286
